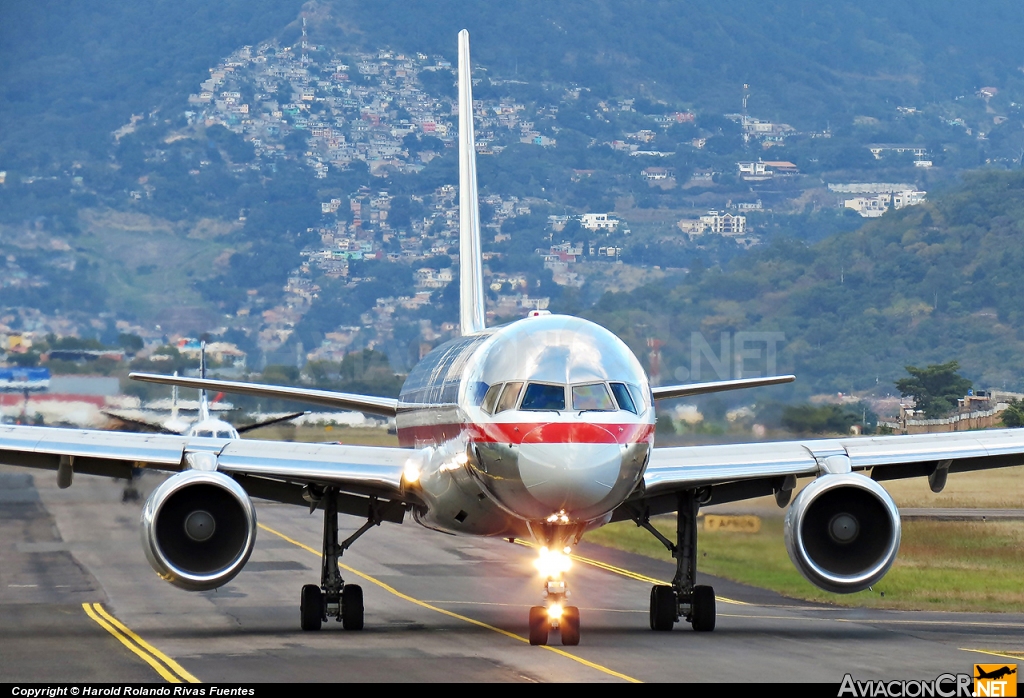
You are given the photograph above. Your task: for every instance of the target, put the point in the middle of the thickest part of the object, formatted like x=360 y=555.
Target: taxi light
x=552 y=563
x=555 y=611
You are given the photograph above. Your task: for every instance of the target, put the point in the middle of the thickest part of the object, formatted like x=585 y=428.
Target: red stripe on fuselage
x=528 y=432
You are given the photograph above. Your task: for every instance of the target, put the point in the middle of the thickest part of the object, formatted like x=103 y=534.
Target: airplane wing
x=384 y=406
x=140 y=424
x=741 y=471
x=270 y=422
x=267 y=469
x=667 y=392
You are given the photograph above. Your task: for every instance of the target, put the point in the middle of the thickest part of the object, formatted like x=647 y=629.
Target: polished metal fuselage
x=552 y=473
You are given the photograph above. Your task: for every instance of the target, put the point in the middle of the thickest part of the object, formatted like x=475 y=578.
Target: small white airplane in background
x=540 y=429
x=206 y=424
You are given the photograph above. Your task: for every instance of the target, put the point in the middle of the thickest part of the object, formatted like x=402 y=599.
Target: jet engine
x=198 y=529
x=843 y=532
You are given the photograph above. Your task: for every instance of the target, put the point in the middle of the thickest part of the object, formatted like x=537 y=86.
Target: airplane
x=205 y=424
x=995 y=673
x=540 y=429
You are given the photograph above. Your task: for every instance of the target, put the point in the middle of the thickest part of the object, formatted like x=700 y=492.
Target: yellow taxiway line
x=451 y=614
x=1019 y=656
x=170 y=670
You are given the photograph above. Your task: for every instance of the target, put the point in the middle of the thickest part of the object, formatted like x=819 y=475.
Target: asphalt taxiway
x=79 y=602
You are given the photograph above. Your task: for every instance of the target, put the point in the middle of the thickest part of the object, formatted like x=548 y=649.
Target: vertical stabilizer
x=471 y=280
x=204 y=401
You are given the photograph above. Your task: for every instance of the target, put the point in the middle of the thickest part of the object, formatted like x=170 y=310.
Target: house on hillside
x=598 y=221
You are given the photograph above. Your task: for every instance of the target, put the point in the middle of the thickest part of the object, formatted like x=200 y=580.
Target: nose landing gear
x=684 y=599
x=555 y=614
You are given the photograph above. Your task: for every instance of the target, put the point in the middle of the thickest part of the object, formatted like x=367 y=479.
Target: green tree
x=819 y=419
x=131 y=342
x=277 y=374
x=935 y=388
x=1013 y=415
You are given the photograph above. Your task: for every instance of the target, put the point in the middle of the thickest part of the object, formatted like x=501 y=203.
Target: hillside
x=73 y=74
x=805 y=61
x=921 y=285
x=179 y=167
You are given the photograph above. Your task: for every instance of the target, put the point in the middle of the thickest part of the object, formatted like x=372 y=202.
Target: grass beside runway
x=942 y=565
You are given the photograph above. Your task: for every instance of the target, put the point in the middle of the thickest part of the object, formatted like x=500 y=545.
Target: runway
x=438 y=608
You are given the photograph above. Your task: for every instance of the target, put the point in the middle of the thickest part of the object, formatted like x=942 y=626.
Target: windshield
x=491 y=398
x=623 y=398
x=539 y=396
x=509 y=396
x=591 y=397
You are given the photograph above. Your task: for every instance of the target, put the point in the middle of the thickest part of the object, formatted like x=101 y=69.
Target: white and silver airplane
x=205 y=424
x=540 y=429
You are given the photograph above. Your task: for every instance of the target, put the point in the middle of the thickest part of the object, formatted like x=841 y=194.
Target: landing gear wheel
x=539 y=627
x=352 y=607
x=570 y=626
x=703 y=609
x=311 y=607
x=663 y=607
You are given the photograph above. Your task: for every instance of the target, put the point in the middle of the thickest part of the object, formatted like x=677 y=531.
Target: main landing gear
x=334 y=598
x=684 y=599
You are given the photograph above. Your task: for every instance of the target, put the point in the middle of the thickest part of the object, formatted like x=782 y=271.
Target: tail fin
x=204 y=400
x=471 y=280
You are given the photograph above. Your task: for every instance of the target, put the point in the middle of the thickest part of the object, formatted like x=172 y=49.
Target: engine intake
x=843 y=532
x=198 y=529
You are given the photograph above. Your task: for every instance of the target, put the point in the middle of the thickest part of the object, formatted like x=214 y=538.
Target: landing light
x=412 y=472
x=552 y=563
x=555 y=611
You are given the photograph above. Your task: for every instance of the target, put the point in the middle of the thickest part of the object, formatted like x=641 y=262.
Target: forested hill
x=71 y=73
x=804 y=60
x=926 y=284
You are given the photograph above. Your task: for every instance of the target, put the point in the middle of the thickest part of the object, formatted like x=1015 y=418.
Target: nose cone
x=570 y=466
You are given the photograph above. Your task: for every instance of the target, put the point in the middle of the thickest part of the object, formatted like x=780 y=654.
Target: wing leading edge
x=383 y=406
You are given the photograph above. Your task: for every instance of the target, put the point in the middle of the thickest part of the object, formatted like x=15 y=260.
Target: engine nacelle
x=198 y=529
x=843 y=532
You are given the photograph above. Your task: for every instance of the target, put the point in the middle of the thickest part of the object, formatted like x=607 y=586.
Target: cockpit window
x=622 y=397
x=638 y=398
x=509 y=397
x=204 y=432
x=491 y=398
x=593 y=396
x=539 y=396
x=223 y=434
